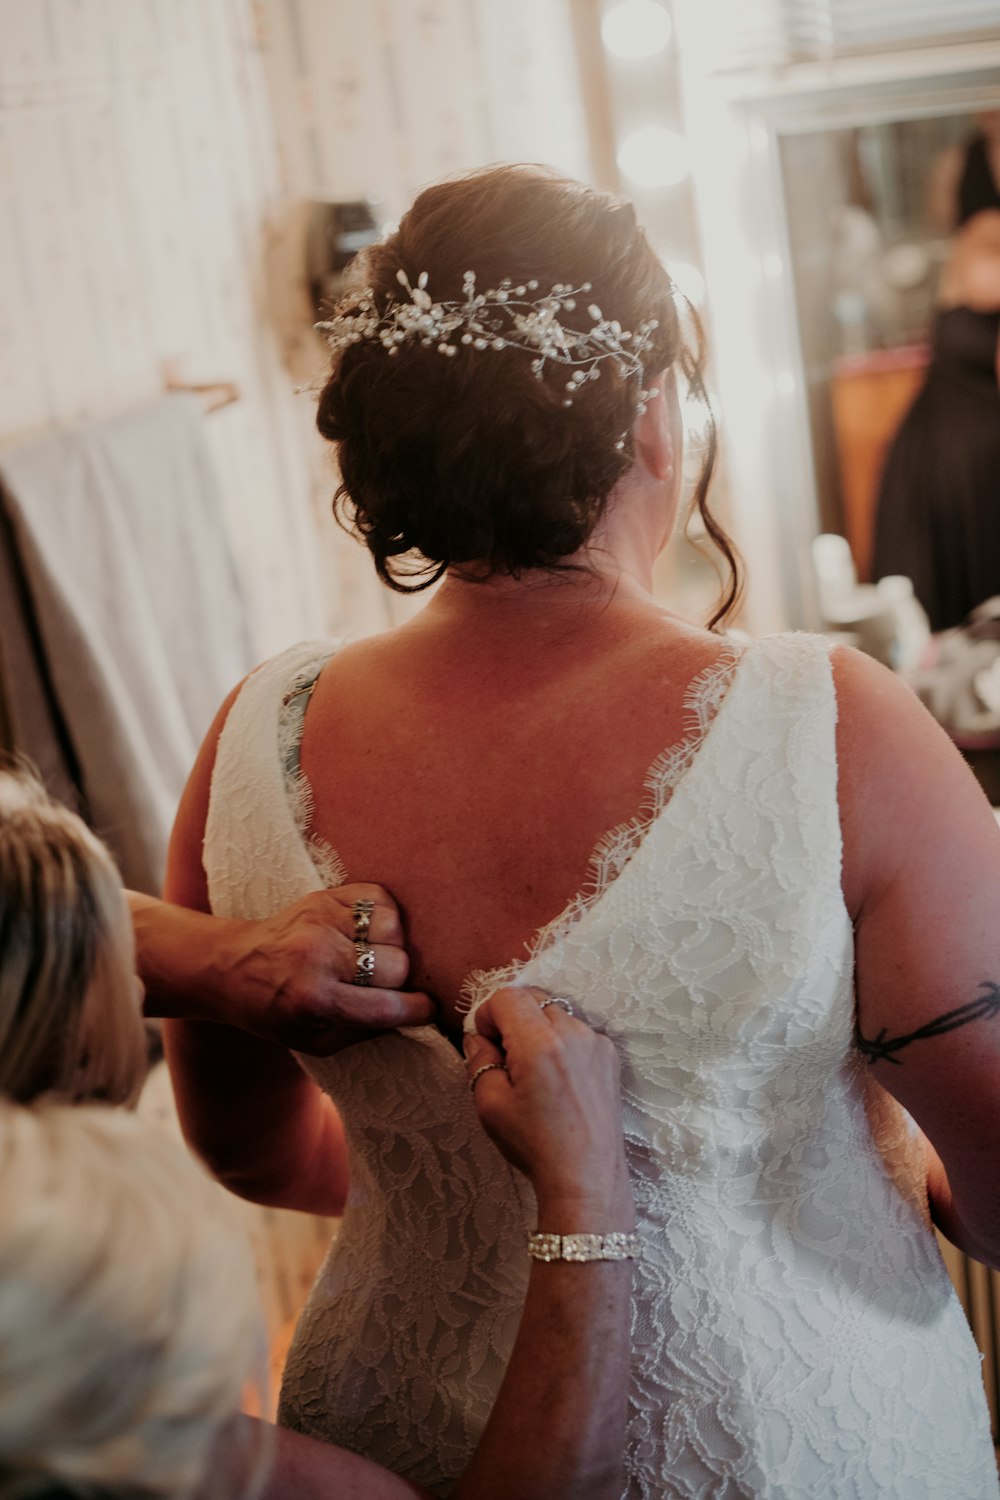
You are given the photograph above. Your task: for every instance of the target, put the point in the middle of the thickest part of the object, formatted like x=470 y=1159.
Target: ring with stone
x=362 y=914
x=558 y=1000
x=364 y=964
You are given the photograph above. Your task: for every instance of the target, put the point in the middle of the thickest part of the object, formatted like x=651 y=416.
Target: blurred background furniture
x=870 y=394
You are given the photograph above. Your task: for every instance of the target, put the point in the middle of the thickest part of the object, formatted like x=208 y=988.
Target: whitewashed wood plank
x=25 y=400
x=26 y=48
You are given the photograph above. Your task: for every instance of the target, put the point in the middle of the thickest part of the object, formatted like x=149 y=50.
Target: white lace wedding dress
x=794 y=1331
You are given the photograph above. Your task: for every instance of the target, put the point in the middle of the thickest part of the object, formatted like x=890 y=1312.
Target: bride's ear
x=654 y=431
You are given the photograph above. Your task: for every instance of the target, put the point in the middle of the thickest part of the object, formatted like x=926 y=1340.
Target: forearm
x=557 y=1428
x=558 y=1425
x=191 y=963
x=261 y=1126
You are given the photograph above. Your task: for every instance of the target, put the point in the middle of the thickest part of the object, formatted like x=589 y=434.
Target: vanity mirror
x=873 y=209
x=826 y=197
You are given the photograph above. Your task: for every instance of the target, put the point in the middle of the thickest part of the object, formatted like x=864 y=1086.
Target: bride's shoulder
x=293 y=659
x=688 y=650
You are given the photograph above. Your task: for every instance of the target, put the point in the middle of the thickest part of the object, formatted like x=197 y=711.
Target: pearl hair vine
x=504 y=317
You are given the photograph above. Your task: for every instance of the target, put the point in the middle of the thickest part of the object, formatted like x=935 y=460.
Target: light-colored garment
x=795 y=1333
x=129 y=627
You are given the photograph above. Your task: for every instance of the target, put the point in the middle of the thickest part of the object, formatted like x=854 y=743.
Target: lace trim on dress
x=298 y=788
x=702 y=701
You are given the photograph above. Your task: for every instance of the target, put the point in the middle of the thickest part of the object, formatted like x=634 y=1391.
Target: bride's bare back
x=471 y=760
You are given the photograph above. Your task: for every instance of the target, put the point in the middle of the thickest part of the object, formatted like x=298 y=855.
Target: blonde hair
x=129 y=1324
x=70 y=1022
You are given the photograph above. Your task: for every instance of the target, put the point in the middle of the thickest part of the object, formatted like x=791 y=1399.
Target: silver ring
x=486 y=1068
x=558 y=1000
x=362 y=914
x=364 y=965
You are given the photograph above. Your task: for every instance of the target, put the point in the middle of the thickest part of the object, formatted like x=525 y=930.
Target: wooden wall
x=152 y=153
x=137 y=169
x=376 y=98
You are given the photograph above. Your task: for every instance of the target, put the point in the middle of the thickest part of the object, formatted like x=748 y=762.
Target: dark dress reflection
x=938 y=518
x=977 y=187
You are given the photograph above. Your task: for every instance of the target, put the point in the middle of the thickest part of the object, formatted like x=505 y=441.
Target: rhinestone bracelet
x=581 y=1247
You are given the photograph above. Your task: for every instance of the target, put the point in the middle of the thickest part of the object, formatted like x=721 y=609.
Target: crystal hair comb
x=503 y=317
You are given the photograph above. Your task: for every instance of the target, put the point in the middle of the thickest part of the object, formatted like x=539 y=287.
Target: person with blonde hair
x=129 y=1327
x=70 y=1002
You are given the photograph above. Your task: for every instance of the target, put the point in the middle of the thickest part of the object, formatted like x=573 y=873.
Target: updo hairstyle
x=471 y=461
x=129 y=1324
x=70 y=1020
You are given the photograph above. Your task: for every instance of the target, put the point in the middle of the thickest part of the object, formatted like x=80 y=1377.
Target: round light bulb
x=636 y=28
x=654 y=157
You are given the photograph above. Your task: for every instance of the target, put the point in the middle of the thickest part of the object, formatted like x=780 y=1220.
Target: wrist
x=586 y=1212
x=236 y=976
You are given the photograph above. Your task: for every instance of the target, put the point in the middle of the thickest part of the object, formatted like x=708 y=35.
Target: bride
x=711 y=850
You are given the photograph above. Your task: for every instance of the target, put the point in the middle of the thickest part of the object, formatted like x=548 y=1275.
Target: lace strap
x=298 y=788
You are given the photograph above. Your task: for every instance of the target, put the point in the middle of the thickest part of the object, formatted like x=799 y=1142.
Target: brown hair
x=70 y=1022
x=471 y=460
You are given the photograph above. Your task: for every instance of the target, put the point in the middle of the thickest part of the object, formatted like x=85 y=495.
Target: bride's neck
x=613 y=571
x=587 y=587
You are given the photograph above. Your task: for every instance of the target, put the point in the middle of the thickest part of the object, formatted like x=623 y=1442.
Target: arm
x=558 y=1425
x=922 y=882
x=245 y=1106
x=261 y=1125
x=286 y=978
